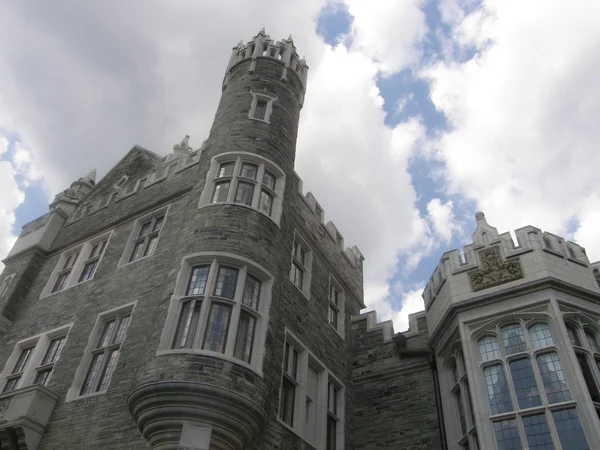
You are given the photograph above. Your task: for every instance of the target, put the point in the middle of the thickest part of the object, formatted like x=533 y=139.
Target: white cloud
x=24 y=164
x=442 y=218
x=411 y=303
x=357 y=168
x=522 y=113
x=3 y=145
x=10 y=198
x=388 y=31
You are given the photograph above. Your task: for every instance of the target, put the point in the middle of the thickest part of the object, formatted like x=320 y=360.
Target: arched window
x=524 y=379
x=5 y=284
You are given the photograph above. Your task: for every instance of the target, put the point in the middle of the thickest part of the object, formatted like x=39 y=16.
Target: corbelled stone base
x=160 y=410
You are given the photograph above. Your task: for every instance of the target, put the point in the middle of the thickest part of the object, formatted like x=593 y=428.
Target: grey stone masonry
x=395 y=401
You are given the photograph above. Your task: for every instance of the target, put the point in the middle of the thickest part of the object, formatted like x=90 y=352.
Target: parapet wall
x=494 y=262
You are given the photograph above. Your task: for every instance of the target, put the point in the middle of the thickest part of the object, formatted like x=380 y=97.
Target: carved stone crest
x=3 y=408
x=494 y=271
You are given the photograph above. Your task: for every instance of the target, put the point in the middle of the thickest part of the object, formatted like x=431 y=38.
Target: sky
x=418 y=113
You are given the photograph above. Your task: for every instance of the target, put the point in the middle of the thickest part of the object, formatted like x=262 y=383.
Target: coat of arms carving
x=494 y=271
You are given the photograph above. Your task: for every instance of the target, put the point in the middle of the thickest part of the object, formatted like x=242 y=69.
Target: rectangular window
x=311 y=398
x=226 y=169
x=105 y=353
x=217 y=327
x=269 y=180
x=265 y=203
x=187 y=324
x=538 y=432
x=147 y=237
x=249 y=170
x=569 y=429
x=90 y=264
x=244 y=193
x=63 y=275
x=33 y=361
x=300 y=267
x=260 y=111
x=334 y=305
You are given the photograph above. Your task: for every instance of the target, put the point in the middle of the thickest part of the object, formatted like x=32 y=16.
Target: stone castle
x=200 y=301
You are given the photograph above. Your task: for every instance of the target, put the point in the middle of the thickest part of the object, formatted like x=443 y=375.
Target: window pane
x=187 y=324
x=461 y=411
x=158 y=223
x=454 y=371
x=88 y=270
x=553 y=378
x=512 y=335
x=586 y=371
x=92 y=372
x=497 y=389
x=261 y=109
x=569 y=429
x=488 y=348
x=152 y=242
x=120 y=334
x=245 y=336
x=11 y=384
x=145 y=228
x=54 y=349
x=538 y=433
x=42 y=377
x=137 y=251
x=333 y=316
x=331 y=433
x=217 y=327
x=244 y=193
x=573 y=336
x=540 y=335
x=106 y=333
x=60 y=282
x=251 y=292
x=197 y=282
x=108 y=370
x=526 y=389
x=220 y=193
x=226 y=282
x=249 y=171
x=286 y=407
x=507 y=435
x=265 y=204
x=269 y=180
x=297 y=275
x=591 y=337
x=23 y=360
x=226 y=170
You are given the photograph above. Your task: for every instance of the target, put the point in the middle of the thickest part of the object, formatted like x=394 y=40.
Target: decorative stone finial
x=479 y=215
x=262 y=31
x=183 y=147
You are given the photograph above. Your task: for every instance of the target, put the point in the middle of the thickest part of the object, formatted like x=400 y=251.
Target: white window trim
x=124 y=193
x=6 y=284
x=261 y=95
x=84 y=363
x=41 y=342
x=120 y=182
x=124 y=260
x=340 y=329
x=307 y=278
x=82 y=250
x=306 y=358
x=238 y=158
x=262 y=316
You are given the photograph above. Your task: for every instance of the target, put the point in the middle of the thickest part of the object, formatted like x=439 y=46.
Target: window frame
x=236 y=178
x=532 y=352
x=340 y=308
x=215 y=261
x=134 y=236
x=81 y=374
x=317 y=436
x=6 y=284
x=80 y=252
x=304 y=266
x=40 y=344
x=261 y=96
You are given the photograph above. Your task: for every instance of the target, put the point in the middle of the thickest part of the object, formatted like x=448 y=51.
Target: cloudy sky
x=418 y=112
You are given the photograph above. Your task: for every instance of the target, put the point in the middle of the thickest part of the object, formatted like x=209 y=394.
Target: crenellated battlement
x=263 y=47
x=352 y=254
x=494 y=262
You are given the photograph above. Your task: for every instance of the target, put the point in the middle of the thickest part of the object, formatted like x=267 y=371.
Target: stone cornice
x=161 y=408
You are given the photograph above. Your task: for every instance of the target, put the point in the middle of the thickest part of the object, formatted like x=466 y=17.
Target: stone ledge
x=161 y=408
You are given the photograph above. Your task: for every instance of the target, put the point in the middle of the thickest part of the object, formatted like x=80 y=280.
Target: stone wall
x=395 y=402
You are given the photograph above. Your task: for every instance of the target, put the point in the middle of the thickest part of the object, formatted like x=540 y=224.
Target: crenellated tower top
x=262 y=46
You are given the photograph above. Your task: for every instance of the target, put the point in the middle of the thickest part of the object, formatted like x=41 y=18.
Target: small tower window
x=261 y=106
x=261 y=109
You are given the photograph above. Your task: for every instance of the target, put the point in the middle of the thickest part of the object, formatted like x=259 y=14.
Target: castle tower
x=234 y=250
